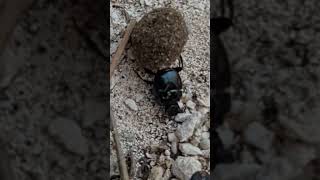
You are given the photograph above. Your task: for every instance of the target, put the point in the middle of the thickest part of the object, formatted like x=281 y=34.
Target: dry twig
x=116 y=57
x=115 y=61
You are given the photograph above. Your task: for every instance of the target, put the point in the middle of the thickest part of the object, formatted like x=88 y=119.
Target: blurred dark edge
x=17 y=148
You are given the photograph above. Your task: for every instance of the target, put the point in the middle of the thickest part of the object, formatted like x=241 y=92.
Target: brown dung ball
x=158 y=38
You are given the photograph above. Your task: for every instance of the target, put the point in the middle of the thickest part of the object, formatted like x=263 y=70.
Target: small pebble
x=181 y=117
x=204 y=144
x=191 y=104
x=131 y=104
x=172 y=137
x=167 y=152
x=185 y=167
x=204 y=102
x=174 y=147
x=189 y=149
x=156 y=173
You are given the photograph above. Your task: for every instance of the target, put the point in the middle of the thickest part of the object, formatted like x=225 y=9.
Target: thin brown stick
x=117 y=56
x=115 y=61
x=121 y=161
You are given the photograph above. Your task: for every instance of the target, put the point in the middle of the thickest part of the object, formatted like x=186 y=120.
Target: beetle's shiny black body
x=167 y=88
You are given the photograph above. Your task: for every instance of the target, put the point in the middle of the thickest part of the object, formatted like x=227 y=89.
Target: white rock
x=181 y=117
x=189 y=149
x=204 y=110
x=156 y=173
x=235 y=171
x=172 y=137
x=191 y=104
x=131 y=104
x=184 y=167
x=186 y=129
x=180 y=104
x=227 y=136
x=195 y=140
x=258 y=136
x=167 y=152
x=205 y=135
x=204 y=101
x=204 y=144
x=206 y=153
x=174 y=147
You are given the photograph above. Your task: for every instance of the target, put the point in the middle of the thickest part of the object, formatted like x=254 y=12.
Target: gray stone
x=189 y=149
x=181 y=117
x=204 y=144
x=184 y=167
x=131 y=104
x=190 y=104
x=258 y=136
x=69 y=134
x=205 y=101
x=172 y=137
x=156 y=173
x=167 y=152
x=186 y=129
x=174 y=147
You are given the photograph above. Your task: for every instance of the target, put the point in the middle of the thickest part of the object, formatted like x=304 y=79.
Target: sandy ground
x=148 y=124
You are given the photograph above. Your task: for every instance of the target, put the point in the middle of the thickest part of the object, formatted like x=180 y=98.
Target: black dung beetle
x=167 y=87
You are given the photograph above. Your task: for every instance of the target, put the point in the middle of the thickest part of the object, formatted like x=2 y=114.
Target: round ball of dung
x=158 y=38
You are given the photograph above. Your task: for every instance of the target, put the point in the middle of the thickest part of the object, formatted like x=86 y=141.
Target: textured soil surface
x=53 y=107
x=142 y=122
x=273 y=127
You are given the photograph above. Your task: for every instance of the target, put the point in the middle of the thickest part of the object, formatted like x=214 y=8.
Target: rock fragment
x=190 y=104
x=186 y=129
x=181 y=117
x=184 y=167
x=131 y=104
x=204 y=144
x=189 y=149
x=156 y=173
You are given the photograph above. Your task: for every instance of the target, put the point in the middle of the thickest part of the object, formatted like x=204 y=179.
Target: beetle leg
x=149 y=71
x=181 y=61
x=147 y=81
